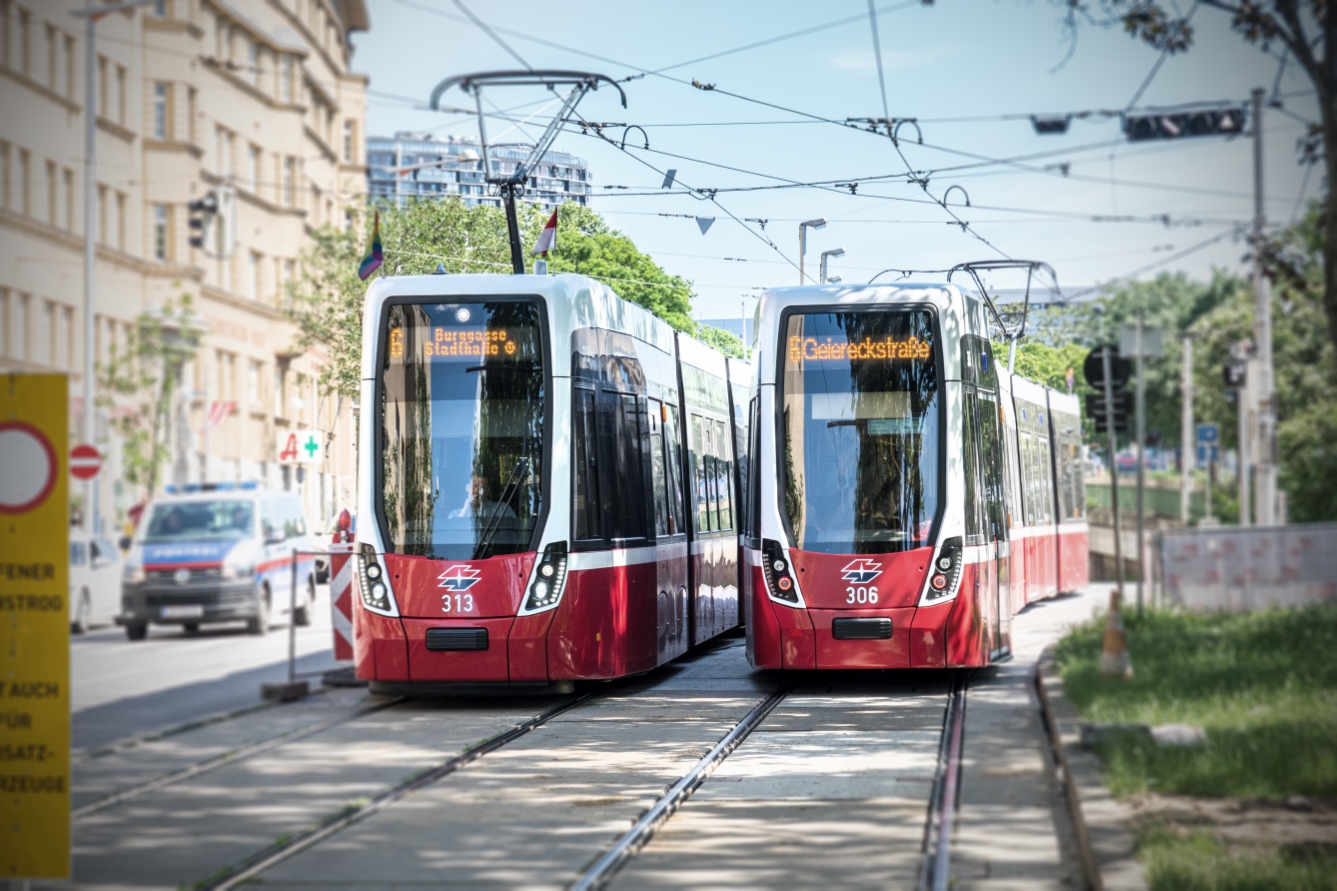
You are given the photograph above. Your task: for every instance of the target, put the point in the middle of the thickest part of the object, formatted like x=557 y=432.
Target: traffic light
x=1123 y=407
x=1223 y=121
x=1047 y=125
x=203 y=215
x=1235 y=372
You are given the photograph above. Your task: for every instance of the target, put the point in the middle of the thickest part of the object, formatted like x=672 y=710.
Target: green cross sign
x=311 y=447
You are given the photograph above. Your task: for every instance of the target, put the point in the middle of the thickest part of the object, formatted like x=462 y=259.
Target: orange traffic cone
x=1114 y=661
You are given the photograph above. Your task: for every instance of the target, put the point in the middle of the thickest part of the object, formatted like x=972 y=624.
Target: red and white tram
x=903 y=501
x=548 y=482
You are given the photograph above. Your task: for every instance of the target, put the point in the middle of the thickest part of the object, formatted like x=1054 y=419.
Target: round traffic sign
x=85 y=462
x=28 y=471
x=1093 y=369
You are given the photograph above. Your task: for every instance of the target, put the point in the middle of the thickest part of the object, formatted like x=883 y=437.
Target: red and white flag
x=548 y=240
x=218 y=411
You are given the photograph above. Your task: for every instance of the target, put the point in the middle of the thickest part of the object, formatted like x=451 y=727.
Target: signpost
x=35 y=631
x=1208 y=442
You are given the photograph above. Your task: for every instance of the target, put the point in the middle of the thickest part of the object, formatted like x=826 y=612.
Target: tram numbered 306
x=552 y=480
x=906 y=495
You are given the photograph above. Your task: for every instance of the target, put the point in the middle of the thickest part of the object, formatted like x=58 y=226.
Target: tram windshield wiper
x=494 y=522
x=523 y=365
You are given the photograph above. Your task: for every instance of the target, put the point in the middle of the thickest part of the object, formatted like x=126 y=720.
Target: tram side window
x=624 y=466
x=1046 y=482
x=723 y=475
x=659 y=476
x=586 y=495
x=1027 y=491
x=711 y=464
x=991 y=467
x=753 y=524
x=673 y=450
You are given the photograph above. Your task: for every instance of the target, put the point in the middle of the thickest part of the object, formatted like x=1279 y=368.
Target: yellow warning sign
x=34 y=627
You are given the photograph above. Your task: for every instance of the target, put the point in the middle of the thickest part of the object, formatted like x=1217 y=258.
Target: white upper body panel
x=572 y=301
x=946 y=299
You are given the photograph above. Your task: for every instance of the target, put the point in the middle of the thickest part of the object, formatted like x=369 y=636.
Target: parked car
x=327 y=535
x=217 y=552
x=95 y=581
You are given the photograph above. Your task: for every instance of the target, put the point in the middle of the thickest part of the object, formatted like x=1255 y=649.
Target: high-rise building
x=432 y=168
x=254 y=99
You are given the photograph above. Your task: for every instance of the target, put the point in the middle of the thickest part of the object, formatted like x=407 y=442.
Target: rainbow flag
x=375 y=252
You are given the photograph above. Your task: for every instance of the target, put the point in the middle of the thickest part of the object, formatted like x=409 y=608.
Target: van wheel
x=82 y=614
x=136 y=630
x=302 y=615
x=260 y=623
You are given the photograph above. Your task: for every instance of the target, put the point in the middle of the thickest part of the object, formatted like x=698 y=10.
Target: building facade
x=434 y=168
x=255 y=97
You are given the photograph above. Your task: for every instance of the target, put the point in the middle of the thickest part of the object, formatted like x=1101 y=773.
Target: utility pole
x=1141 y=411
x=90 y=487
x=1107 y=367
x=1265 y=463
x=803 y=228
x=1186 y=435
x=1242 y=400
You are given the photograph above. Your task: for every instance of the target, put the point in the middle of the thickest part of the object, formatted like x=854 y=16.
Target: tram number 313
x=861 y=595
x=464 y=603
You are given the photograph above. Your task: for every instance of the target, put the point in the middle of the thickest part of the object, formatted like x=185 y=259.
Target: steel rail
x=280 y=851
x=229 y=757
x=626 y=847
x=935 y=868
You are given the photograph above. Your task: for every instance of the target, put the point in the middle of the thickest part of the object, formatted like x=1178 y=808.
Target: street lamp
x=838 y=252
x=803 y=243
x=92 y=12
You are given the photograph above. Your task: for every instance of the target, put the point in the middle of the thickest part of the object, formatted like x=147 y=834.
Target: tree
x=722 y=340
x=1302 y=27
x=138 y=386
x=326 y=304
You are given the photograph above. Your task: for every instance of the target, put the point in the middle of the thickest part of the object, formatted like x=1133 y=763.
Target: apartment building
x=190 y=95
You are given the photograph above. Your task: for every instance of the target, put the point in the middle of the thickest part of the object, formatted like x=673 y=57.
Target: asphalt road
x=120 y=689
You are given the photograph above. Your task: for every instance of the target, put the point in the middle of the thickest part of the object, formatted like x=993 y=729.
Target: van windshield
x=223 y=520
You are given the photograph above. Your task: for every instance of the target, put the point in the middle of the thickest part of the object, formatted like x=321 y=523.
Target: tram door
x=986 y=511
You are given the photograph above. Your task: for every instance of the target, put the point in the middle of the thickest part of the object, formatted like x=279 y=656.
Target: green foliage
x=722 y=340
x=326 y=304
x=137 y=387
x=1198 y=861
x=1262 y=684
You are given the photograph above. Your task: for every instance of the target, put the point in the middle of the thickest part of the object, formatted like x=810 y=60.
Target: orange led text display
x=811 y=348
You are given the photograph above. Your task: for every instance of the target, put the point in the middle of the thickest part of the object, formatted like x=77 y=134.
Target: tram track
x=935 y=870
x=226 y=759
x=282 y=850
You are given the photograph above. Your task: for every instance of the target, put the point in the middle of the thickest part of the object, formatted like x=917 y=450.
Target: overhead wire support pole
x=1141 y=396
x=512 y=186
x=1106 y=367
x=1265 y=462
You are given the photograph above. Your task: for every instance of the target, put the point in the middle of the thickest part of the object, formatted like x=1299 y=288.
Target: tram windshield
x=462 y=414
x=861 y=430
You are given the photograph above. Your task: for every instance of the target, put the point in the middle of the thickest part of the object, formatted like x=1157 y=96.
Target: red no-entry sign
x=85 y=462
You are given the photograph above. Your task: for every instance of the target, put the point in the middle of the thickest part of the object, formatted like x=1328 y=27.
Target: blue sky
x=956 y=59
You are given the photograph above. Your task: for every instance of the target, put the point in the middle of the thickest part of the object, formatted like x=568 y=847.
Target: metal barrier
x=294 y=688
x=1244 y=569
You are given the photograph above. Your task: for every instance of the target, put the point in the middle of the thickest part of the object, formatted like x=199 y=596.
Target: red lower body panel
x=380 y=651
x=894 y=652
x=1074 y=562
x=763 y=629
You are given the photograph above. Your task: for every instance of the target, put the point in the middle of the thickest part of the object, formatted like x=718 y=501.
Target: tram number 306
x=861 y=594
x=464 y=603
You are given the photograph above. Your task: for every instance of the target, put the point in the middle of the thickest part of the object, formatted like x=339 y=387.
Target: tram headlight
x=946 y=580
x=550 y=579
x=373 y=586
x=779 y=584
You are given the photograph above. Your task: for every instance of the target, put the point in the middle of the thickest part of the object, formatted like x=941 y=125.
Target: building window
x=253 y=63
x=18 y=326
x=52 y=57
x=67 y=187
x=286 y=79
x=102 y=214
x=52 y=199
x=350 y=133
x=4 y=44
x=69 y=67
x=289 y=175
x=64 y=317
x=119 y=241
x=253 y=385
x=224 y=153
x=160 y=110
x=161 y=233
x=120 y=94
x=191 y=95
x=280 y=375
x=42 y=336
x=102 y=87
x=253 y=167
x=6 y=196
x=253 y=289
x=161 y=8
x=25 y=42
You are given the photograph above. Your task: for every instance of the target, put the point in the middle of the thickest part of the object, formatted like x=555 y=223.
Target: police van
x=218 y=552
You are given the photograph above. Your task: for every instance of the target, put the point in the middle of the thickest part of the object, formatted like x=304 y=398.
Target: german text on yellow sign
x=34 y=627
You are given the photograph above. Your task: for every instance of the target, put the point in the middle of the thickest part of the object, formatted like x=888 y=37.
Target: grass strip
x=1197 y=861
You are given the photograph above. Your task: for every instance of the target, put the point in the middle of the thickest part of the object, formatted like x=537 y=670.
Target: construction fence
x=1228 y=568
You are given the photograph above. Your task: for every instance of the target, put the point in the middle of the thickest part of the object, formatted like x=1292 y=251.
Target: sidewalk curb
x=1102 y=823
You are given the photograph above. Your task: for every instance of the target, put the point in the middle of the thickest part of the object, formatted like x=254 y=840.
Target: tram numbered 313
x=907 y=495
x=550 y=484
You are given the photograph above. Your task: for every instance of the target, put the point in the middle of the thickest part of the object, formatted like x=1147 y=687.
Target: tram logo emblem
x=861 y=572
x=459 y=578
